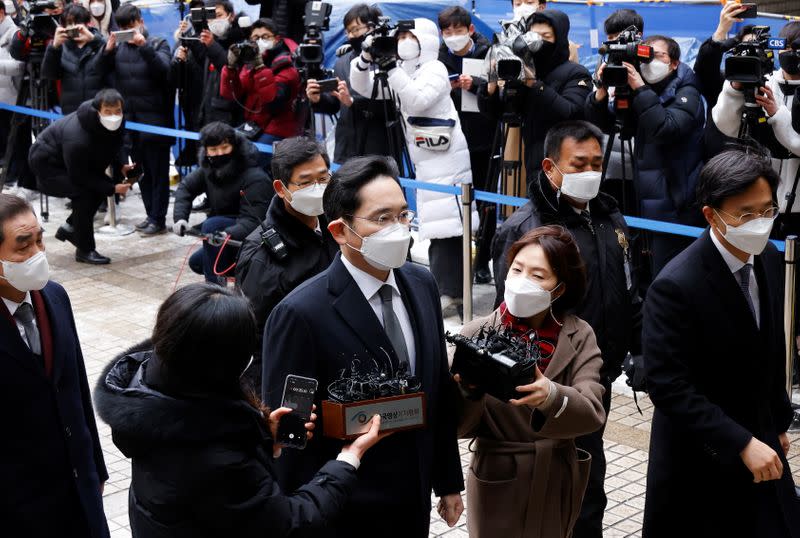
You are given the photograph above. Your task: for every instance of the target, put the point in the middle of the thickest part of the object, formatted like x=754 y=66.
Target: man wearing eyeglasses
x=371 y=312
x=714 y=358
x=293 y=243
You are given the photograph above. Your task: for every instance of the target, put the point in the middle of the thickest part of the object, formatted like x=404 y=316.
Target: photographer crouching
x=436 y=144
x=262 y=79
x=238 y=191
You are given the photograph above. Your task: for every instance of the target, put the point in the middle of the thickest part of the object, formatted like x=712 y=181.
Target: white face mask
x=582 y=186
x=30 y=275
x=112 y=123
x=308 y=201
x=456 y=42
x=525 y=298
x=750 y=237
x=524 y=10
x=386 y=249
x=655 y=71
x=408 y=49
x=265 y=44
x=98 y=9
x=218 y=27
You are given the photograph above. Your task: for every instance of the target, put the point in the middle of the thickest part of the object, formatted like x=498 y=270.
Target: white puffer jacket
x=423 y=90
x=10 y=69
x=727 y=115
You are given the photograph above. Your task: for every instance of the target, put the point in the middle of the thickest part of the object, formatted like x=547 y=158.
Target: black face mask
x=790 y=62
x=355 y=43
x=543 y=59
x=218 y=161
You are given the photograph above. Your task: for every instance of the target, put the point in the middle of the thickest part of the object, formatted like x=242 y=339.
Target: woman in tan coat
x=527 y=478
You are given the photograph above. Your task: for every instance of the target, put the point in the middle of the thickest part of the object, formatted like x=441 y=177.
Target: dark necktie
x=587 y=219
x=392 y=327
x=25 y=316
x=744 y=284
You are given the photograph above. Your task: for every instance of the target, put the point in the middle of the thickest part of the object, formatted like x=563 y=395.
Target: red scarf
x=547 y=334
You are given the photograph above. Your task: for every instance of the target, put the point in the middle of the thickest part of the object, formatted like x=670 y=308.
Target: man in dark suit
x=714 y=358
x=371 y=305
x=51 y=465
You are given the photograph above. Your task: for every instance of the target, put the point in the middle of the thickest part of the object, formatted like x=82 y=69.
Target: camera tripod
x=395 y=131
x=37 y=90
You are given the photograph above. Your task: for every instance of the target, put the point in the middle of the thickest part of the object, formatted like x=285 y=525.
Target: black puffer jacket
x=477 y=127
x=80 y=70
x=72 y=154
x=557 y=95
x=224 y=188
x=142 y=75
x=361 y=127
x=202 y=466
x=612 y=305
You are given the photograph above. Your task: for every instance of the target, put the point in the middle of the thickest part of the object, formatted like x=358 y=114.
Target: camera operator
x=293 y=243
x=287 y=15
x=775 y=97
x=423 y=88
x=566 y=193
x=77 y=62
x=667 y=116
x=11 y=72
x=209 y=53
x=203 y=447
x=73 y=154
x=141 y=68
x=261 y=78
x=462 y=41
x=362 y=125
x=28 y=38
x=102 y=16
x=238 y=193
x=555 y=93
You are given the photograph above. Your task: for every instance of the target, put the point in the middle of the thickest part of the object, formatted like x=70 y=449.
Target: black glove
x=386 y=63
x=233 y=56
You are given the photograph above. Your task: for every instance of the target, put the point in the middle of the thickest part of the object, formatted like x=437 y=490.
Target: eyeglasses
x=769 y=213
x=324 y=180
x=353 y=31
x=404 y=217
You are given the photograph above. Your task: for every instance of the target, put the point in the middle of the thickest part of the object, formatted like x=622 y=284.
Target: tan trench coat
x=527 y=478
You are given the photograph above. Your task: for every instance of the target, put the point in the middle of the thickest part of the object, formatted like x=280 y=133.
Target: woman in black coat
x=202 y=450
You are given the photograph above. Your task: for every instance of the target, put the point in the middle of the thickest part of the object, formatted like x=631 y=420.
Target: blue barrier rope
x=502 y=199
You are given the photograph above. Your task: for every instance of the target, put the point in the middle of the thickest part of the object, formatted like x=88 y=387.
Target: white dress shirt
x=12 y=309
x=735 y=264
x=369 y=286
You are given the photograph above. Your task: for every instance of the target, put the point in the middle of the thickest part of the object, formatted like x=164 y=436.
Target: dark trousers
x=81 y=219
x=202 y=261
x=154 y=159
x=444 y=256
x=479 y=161
x=590 y=521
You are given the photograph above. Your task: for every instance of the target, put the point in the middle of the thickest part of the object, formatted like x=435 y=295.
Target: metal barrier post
x=112 y=228
x=790 y=298
x=466 y=241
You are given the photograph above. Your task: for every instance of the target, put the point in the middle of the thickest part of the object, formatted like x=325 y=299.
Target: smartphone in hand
x=123 y=36
x=750 y=13
x=328 y=85
x=298 y=395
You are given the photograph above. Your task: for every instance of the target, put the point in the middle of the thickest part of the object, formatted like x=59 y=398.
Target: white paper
x=472 y=67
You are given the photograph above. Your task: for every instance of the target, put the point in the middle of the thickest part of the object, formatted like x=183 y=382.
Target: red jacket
x=269 y=93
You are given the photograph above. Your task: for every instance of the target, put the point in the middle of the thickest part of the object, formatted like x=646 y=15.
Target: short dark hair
x=578 y=130
x=454 y=16
x=3 y=7
x=74 y=14
x=205 y=335
x=268 y=24
x=291 y=152
x=362 y=12
x=216 y=133
x=621 y=20
x=564 y=258
x=107 y=96
x=127 y=14
x=341 y=196
x=791 y=32
x=744 y=30
x=226 y=5
x=10 y=207
x=732 y=172
x=673 y=49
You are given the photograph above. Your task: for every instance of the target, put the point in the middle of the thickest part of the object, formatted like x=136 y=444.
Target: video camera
x=750 y=62
x=513 y=49
x=627 y=47
x=200 y=16
x=246 y=52
x=383 y=44
x=38 y=25
x=310 y=53
x=496 y=360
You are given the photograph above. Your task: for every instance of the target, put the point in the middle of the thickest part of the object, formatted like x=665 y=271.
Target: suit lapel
x=565 y=352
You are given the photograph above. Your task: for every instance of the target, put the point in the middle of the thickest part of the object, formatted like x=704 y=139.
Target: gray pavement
x=115 y=307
